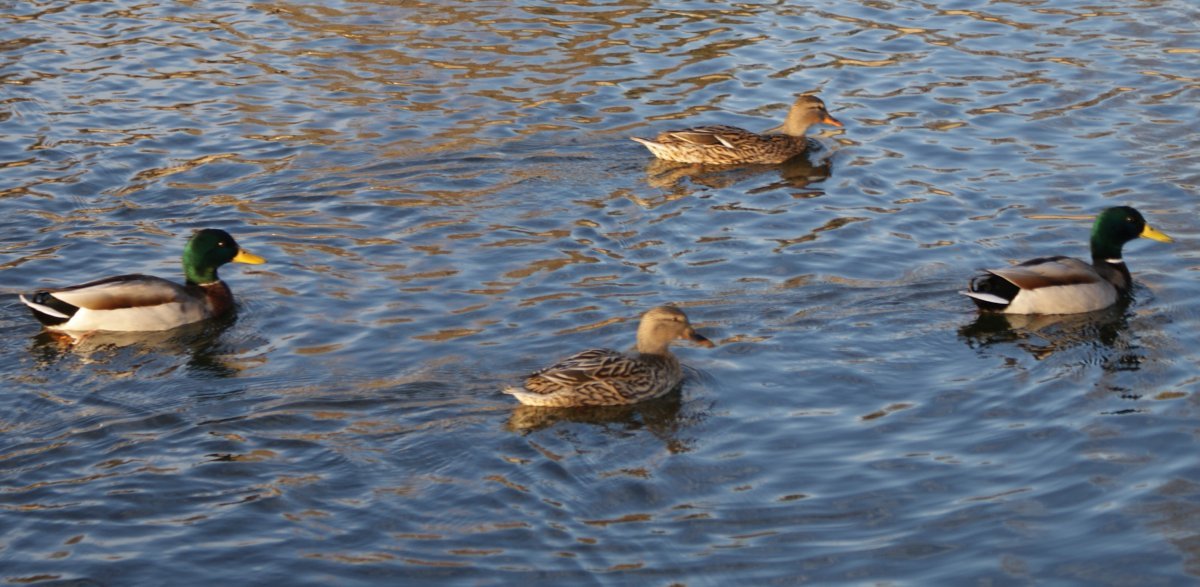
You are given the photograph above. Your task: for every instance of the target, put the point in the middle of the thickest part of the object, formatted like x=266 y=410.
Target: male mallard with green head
x=604 y=377
x=1064 y=285
x=129 y=303
x=720 y=144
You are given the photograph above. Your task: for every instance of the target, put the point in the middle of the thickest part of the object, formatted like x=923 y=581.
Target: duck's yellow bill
x=245 y=256
x=1154 y=235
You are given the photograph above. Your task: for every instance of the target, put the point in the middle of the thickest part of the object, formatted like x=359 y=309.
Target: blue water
x=448 y=199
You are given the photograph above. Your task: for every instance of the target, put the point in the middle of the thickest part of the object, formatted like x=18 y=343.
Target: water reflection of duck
x=200 y=343
x=662 y=416
x=797 y=172
x=721 y=144
x=604 y=377
x=1063 y=285
x=1042 y=335
x=139 y=303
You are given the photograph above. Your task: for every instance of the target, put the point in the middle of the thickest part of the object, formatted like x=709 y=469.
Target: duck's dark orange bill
x=831 y=121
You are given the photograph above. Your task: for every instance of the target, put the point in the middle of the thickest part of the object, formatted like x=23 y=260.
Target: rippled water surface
x=448 y=199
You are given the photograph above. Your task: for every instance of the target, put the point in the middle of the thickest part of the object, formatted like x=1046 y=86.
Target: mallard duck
x=127 y=303
x=1064 y=285
x=604 y=377
x=720 y=144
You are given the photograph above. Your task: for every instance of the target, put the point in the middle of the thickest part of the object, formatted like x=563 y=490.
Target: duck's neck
x=795 y=126
x=1105 y=249
x=1106 y=252
x=1106 y=257
x=199 y=275
x=648 y=347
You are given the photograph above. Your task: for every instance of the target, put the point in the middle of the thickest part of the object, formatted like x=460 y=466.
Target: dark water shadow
x=1044 y=335
x=200 y=344
x=663 y=417
x=796 y=173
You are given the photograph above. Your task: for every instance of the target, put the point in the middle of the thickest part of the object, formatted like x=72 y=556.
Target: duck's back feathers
x=1049 y=272
x=721 y=144
x=712 y=135
x=1048 y=285
x=121 y=291
x=600 y=377
x=587 y=366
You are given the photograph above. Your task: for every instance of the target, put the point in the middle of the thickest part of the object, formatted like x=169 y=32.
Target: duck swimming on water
x=605 y=377
x=1065 y=285
x=721 y=144
x=129 y=303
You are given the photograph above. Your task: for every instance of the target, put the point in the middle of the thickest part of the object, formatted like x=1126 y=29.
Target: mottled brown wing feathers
x=722 y=145
x=694 y=138
x=715 y=135
x=584 y=367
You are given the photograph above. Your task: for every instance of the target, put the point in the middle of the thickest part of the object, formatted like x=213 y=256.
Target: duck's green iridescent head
x=1116 y=226
x=207 y=250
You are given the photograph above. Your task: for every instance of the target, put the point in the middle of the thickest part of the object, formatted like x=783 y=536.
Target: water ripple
x=447 y=199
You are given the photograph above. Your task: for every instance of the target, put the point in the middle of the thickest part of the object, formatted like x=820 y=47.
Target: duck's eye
x=221 y=243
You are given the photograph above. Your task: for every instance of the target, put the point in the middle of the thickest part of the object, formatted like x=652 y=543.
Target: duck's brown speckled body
x=604 y=377
x=721 y=144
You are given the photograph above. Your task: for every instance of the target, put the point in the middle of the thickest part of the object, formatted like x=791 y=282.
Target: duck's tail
x=48 y=309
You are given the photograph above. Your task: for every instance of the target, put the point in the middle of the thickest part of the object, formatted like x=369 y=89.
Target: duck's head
x=210 y=248
x=807 y=111
x=1116 y=226
x=662 y=325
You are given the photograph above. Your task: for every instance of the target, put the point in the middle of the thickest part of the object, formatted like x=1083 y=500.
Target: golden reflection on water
x=664 y=417
x=427 y=57
x=797 y=173
x=200 y=345
x=451 y=185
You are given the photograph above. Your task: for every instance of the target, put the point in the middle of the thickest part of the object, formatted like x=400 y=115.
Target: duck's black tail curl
x=48 y=309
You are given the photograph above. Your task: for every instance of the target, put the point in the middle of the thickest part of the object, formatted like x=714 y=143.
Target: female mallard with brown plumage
x=721 y=144
x=128 y=303
x=604 y=377
x=1063 y=285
